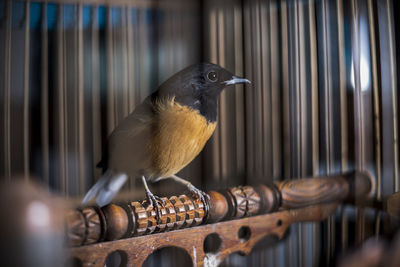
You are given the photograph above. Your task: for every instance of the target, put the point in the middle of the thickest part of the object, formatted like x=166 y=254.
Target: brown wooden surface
x=309 y=191
x=138 y=249
x=133 y=228
x=90 y=225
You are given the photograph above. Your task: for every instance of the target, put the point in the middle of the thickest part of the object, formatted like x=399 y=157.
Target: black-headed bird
x=164 y=133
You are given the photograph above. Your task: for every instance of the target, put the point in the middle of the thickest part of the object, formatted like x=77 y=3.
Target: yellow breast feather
x=178 y=136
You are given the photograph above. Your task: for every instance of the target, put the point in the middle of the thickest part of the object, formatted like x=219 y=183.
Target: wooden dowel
x=232 y=236
x=89 y=225
x=304 y=192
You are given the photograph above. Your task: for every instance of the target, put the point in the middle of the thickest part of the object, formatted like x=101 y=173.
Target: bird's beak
x=236 y=80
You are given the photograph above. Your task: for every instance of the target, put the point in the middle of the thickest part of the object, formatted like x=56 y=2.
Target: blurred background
x=323 y=99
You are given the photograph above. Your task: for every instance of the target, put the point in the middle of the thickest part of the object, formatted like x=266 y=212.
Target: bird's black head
x=199 y=87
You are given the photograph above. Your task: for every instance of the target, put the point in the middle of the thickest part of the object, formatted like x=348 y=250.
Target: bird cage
x=323 y=100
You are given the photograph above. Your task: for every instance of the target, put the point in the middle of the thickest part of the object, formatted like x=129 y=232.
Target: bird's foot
x=155 y=201
x=203 y=196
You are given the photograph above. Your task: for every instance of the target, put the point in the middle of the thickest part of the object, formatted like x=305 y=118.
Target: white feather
x=106 y=188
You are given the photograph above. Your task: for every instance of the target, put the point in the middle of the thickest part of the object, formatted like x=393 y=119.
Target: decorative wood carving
x=307 y=200
x=137 y=249
x=90 y=224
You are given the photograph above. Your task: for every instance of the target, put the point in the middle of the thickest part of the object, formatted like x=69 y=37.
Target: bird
x=164 y=133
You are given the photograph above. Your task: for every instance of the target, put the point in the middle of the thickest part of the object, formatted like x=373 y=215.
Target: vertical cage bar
x=358 y=98
x=81 y=108
x=275 y=105
x=376 y=96
x=254 y=108
x=45 y=96
x=132 y=69
x=297 y=132
x=345 y=228
x=296 y=24
x=302 y=90
x=257 y=95
x=230 y=133
x=305 y=231
x=173 y=31
x=176 y=31
x=263 y=53
x=326 y=81
x=250 y=96
x=143 y=48
x=286 y=107
x=165 y=29
x=96 y=109
x=314 y=116
x=285 y=91
x=220 y=153
x=367 y=97
x=124 y=44
x=343 y=87
x=180 y=30
x=215 y=57
x=26 y=92
x=343 y=114
x=327 y=111
x=111 y=114
x=61 y=101
x=65 y=98
x=358 y=110
x=377 y=111
x=7 y=90
x=389 y=98
x=391 y=41
x=136 y=60
x=213 y=35
x=293 y=131
x=365 y=132
x=260 y=51
x=314 y=88
x=116 y=51
x=248 y=93
x=274 y=68
x=265 y=92
x=131 y=60
x=141 y=57
x=239 y=96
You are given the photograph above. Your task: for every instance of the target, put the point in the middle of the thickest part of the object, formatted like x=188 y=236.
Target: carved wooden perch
x=312 y=199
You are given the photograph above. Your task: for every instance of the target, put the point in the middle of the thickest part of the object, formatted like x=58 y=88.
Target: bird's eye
x=212 y=76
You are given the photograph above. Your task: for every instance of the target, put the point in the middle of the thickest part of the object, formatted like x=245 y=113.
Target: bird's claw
x=155 y=201
x=199 y=194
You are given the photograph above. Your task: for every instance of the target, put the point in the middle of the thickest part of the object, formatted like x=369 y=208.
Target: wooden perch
x=277 y=206
x=230 y=237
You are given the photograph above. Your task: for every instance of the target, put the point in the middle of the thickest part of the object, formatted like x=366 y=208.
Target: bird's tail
x=106 y=188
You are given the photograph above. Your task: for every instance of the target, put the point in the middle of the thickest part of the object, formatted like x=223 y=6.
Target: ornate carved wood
x=137 y=249
x=89 y=225
x=286 y=202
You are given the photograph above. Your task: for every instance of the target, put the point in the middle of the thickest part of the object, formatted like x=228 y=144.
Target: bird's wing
x=126 y=154
x=128 y=144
